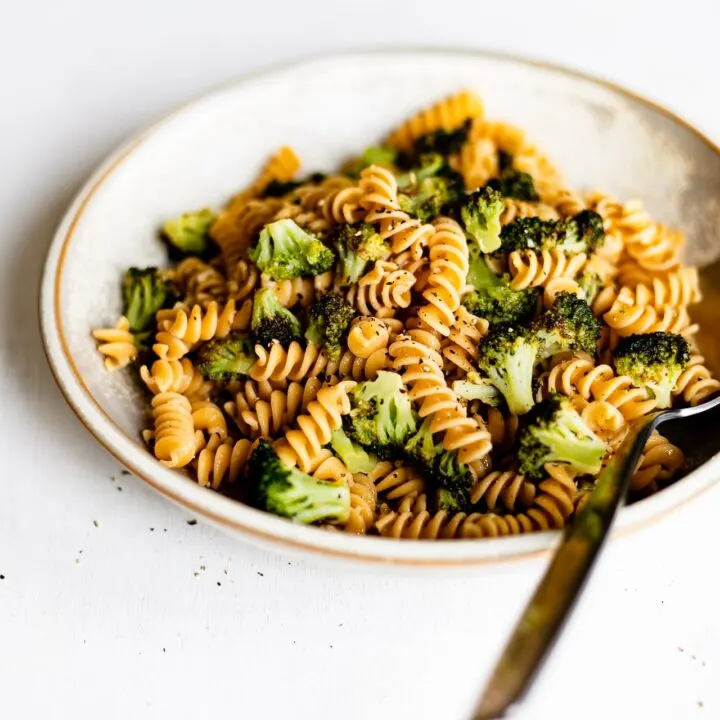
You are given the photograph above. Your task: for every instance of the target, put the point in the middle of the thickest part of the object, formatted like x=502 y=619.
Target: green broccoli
x=356 y=245
x=433 y=196
x=382 y=417
x=582 y=233
x=329 y=319
x=373 y=155
x=145 y=291
x=189 y=233
x=507 y=355
x=654 y=361
x=452 y=480
x=418 y=168
x=286 y=491
x=568 y=325
x=502 y=304
x=505 y=161
x=284 y=251
x=227 y=358
x=515 y=184
x=590 y=284
x=354 y=456
x=444 y=142
x=493 y=298
x=271 y=321
x=553 y=432
x=480 y=213
x=475 y=387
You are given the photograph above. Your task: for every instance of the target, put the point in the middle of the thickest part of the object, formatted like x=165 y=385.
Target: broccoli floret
x=515 y=184
x=568 y=325
x=226 y=358
x=444 y=142
x=145 y=291
x=284 y=250
x=373 y=155
x=480 y=275
x=475 y=387
x=280 y=188
x=418 y=168
x=480 y=212
x=271 y=321
x=433 y=196
x=653 y=361
x=590 y=284
x=382 y=417
x=502 y=304
x=554 y=433
x=583 y=233
x=189 y=233
x=354 y=456
x=356 y=245
x=284 y=490
x=441 y=468
x=329 y=320
x=507 y=355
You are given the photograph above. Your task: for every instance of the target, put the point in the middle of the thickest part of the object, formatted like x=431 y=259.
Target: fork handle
x=564 y=580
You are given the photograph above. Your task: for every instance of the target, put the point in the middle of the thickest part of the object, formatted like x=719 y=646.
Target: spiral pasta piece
x=629 y=319
x=363 y=499
x=508 y=488
x=579 y=376
x=531 y=269
x=395 y=480
x=178 y=376
x=222 y=460
x=659 y=462
x=174 y=434
x=367 y=336
x=449 y=265
x=303 y=444
x=117 y=345
x=461 y=346
x=382 y=290
x=696 y=384
x=184 y=331
x=295 y=363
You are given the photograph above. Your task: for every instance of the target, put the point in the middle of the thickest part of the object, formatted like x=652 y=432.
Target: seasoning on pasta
x=440 y=341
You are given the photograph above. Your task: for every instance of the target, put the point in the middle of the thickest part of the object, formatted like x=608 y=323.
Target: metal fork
x=544 y=617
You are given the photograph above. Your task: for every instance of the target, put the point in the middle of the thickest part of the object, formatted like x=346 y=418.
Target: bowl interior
x=327 y=109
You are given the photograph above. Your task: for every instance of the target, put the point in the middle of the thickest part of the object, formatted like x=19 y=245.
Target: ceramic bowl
x=601 y=135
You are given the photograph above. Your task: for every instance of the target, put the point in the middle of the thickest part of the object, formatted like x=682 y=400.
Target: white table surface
x=111 y=604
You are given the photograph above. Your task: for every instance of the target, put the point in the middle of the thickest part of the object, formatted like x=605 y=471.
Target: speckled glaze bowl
x=601 y=135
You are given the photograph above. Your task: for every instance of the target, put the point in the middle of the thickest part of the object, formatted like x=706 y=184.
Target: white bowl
x=326 y=108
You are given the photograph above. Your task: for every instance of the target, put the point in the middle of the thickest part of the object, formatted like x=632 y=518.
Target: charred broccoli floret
x=480 y=213
x=553 y=432
x=451 y=479
x=145 y=291
x=515 y=184
x=189 y=233
x=227 y=358
x=354 y=456
x=433 y=196
x=286 y=491
x=502 y=304
x=568 y=325
x=356 y=245
x=582 y=233
x=444 y=142
x=590 y=284
x=507 y=356
x=284 y=250
x=654 y=361
x=271 y=321
x=381 y=418
x=329 y=320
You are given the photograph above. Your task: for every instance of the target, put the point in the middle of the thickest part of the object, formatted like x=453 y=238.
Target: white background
x=146 y=616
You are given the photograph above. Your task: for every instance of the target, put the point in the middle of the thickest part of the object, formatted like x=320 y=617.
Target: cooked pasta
x=391 y=349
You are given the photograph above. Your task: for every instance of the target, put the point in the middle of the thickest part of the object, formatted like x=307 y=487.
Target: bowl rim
x=262 y=527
